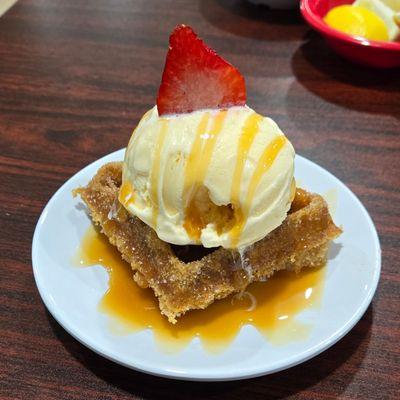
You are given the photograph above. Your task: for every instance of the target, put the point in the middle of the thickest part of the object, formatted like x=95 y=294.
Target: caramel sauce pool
x=271 y=307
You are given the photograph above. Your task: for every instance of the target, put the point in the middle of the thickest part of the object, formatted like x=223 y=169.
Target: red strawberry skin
x=195 y=77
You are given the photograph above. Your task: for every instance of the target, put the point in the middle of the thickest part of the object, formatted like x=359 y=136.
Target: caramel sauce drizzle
x=196 y=169
x=271 y=307
x=126 y=194
x=269 y=155
x=246 y=139
x=249 y=132
x=155 y=170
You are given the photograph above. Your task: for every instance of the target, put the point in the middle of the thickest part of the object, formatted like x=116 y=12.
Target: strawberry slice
x=196 y=77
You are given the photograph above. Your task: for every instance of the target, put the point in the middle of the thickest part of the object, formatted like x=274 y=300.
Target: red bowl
x=356 y=49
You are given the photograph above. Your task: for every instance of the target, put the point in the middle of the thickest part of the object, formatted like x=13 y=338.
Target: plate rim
x=238 y=374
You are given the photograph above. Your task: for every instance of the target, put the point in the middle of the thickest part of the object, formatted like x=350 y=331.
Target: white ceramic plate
x=72 y=294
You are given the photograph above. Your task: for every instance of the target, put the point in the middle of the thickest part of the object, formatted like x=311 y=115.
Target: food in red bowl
x=382 y=54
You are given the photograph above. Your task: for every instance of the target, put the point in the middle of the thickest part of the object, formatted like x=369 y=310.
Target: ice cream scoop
x=220 y=177
x=202 y=167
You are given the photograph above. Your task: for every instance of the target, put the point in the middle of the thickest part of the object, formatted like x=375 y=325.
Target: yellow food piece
x=357 y=21
x=396 y=19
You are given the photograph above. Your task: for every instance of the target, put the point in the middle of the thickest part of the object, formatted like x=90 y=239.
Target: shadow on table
x=276 y=386
x=245 y=19
x=322 y=72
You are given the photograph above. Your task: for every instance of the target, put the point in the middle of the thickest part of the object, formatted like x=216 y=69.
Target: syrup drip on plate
x=271 y=307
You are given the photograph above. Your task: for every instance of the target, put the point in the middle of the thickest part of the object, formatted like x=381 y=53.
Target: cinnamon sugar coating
x=301 y=241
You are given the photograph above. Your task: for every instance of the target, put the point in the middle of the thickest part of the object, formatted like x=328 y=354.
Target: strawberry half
x=196 y=77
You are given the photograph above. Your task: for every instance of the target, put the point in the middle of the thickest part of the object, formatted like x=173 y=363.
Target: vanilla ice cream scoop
x=210 y=177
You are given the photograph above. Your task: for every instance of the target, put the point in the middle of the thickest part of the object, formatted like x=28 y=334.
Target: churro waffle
x=180 y=285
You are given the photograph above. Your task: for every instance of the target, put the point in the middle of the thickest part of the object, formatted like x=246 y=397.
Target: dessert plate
x=72 y=294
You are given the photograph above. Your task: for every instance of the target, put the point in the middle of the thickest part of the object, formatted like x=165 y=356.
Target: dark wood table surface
x=75 y=77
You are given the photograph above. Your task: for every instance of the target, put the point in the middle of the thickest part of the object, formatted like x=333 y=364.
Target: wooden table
x=76 y=76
